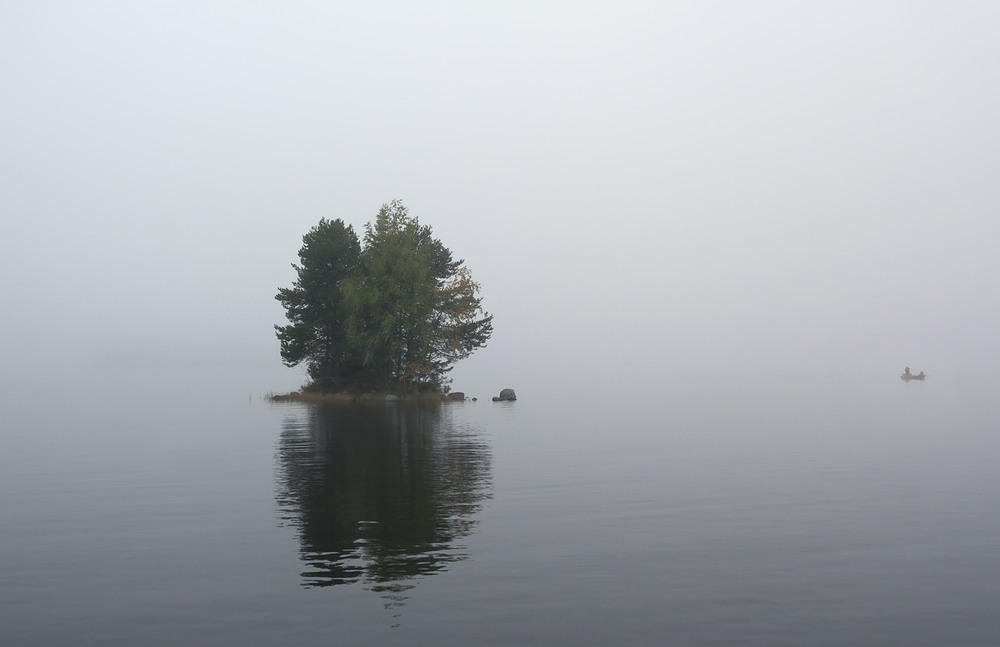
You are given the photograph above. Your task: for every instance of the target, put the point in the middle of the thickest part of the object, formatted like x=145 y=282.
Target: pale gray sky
x=642 y=188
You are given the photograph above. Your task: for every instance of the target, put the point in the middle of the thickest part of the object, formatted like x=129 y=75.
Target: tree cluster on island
x=394 y=313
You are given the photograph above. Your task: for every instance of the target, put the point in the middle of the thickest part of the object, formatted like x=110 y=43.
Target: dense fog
x=642 y=189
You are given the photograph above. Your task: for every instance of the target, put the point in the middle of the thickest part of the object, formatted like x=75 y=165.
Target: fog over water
x=642 y=188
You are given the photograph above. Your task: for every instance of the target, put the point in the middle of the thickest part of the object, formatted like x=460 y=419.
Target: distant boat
x=907 y=376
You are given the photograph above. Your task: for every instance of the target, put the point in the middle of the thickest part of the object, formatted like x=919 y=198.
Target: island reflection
x=379 y=494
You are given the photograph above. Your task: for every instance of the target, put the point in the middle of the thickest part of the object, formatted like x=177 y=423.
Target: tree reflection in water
x=379 y=493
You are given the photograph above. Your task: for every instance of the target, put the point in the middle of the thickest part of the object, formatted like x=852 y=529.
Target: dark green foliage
x=398 y=314
x=315 y=307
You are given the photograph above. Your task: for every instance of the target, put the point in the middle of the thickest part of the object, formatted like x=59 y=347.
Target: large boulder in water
x=456 y=395
x=506 y=395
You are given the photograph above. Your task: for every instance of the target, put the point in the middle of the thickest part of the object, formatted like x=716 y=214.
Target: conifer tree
x=315 y=306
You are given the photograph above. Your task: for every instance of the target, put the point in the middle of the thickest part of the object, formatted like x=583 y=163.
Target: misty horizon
x=641 y=189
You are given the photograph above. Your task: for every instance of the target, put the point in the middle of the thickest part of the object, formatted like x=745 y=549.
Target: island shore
x=343 y=397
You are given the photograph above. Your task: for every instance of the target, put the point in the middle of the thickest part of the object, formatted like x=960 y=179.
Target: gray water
x=176 y=508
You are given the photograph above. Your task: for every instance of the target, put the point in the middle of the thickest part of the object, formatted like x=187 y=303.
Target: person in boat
x=907 y=371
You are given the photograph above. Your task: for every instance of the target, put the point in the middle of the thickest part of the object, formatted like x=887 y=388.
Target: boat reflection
x=379 y=494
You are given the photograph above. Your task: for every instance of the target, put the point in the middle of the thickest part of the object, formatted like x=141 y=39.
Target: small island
x=383 y=320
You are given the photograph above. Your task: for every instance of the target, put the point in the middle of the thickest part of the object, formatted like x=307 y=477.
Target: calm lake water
x=178 y=509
